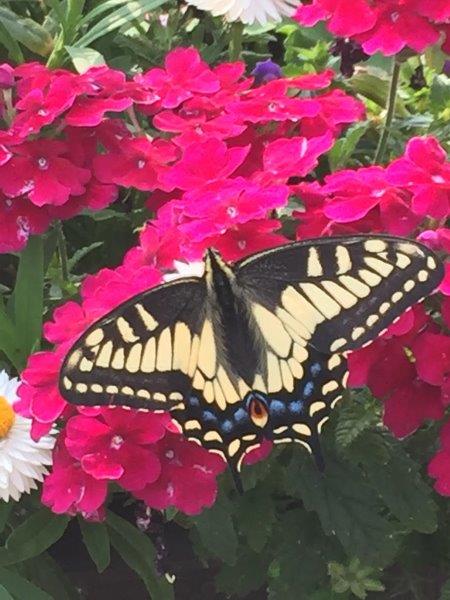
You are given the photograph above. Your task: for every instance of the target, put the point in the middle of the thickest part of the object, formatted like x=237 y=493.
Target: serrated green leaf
x=255 y=517
x=347 y=508
x=37 y=533
x=27 y=32
x=96 y=539
x=138 y=552
x=247 y=575
x=84 y=58
x=404 y=492
x=355 y=416
x=298 y=567
x=440 y=93
x=81 y=253
x=19 y=587
x=216 y=531
x=29 y=294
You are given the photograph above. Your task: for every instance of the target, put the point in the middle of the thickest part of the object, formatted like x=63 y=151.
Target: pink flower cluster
x=385 y=26
x=223 y=162
x=231 y=155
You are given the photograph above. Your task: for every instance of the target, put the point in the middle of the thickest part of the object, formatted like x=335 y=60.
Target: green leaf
x=343 y=149
x=298 y=566
x=445 y=591
x=440 y=93
x=216 y=531
x=9 y=342
x=81 y=253
x=404 y=492
x=27 y=32
x=4 y=594
x=247 y=575
x=45 y=572
x=11 y=45
x=33 y=536
x=84 y=58
x=19 y=587
x=118 y=18
x=29 y=294
x=357 y=414
x=373 y=83
x=5 y=511
x=255 y=517
x=96 y=540
x=138 y=552
x=347 y=507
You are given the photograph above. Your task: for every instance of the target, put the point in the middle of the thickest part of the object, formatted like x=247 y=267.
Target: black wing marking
x=338 y=294
x=143 y=354
x=288 y=416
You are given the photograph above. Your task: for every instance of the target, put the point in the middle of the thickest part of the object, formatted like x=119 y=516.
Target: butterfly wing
x=143 y=354
x=337 y=294
x=312 y=302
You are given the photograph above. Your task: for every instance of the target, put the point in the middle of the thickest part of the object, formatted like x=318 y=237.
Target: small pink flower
x=206 y=161
x=424 y=171
x=118 y=445
x=188 y=476
x=40 y=170
x=184 y=75
x=69 y=489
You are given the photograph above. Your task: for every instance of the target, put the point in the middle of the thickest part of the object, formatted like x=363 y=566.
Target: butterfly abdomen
x=232 y=320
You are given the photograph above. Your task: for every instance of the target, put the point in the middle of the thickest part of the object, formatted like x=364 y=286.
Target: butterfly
x=253 y=350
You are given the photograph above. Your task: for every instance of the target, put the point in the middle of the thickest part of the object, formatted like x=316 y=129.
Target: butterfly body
x=255 y=350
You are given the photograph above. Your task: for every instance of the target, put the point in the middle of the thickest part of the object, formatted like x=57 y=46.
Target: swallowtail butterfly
x=255 y=349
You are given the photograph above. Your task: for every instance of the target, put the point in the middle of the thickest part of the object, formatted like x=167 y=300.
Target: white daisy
x=248 y=11
x=22 y=461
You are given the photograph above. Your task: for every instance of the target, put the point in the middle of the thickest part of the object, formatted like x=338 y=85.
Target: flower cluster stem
x=235 y=49
x=390 y=109
x=62 y=250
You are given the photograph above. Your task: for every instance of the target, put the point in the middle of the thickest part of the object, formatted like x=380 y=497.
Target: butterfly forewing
x=337 y=294
x=142 y=354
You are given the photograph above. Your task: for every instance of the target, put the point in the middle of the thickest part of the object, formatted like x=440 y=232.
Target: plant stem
x=62 y=251
x=235 y=49
x=390 y=109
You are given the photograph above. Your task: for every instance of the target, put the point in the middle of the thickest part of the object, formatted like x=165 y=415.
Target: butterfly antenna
x=236 y=478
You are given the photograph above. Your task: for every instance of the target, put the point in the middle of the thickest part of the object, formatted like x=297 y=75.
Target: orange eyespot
x=258 y=412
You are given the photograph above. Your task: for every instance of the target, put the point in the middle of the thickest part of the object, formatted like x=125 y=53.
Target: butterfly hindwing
x=338 y=294
x=141 y=355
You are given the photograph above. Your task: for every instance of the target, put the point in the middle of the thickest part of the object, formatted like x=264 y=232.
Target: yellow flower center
x=7 y=417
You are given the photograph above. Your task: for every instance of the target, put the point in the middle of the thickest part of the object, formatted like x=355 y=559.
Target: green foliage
x=96 y=540
x=354 y=578
x=139 y=553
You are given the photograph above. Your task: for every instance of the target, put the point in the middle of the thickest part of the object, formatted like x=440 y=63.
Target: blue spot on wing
x=209 y=416
x=227 y=426
x=296 y=406
x=240 y=415
x=308 y=389
x=194 y=401
x=277 y=407
x=315 y=369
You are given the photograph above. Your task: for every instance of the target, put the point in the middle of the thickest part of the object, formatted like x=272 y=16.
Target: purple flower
x=266 y=70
